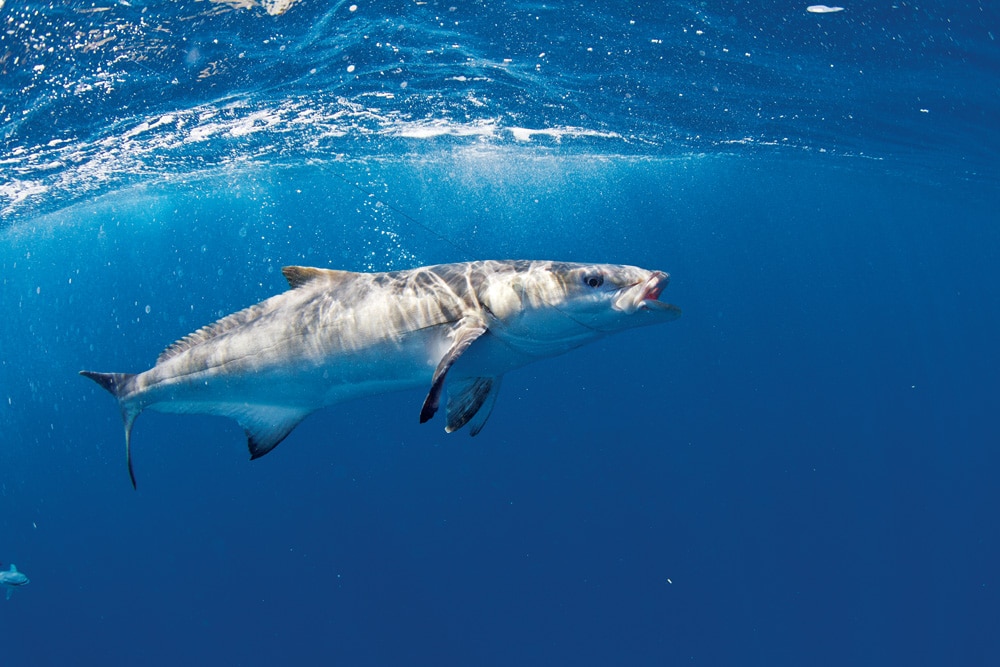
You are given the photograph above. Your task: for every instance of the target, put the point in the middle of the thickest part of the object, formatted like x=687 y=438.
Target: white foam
x=428 y=130
x=558 y=133
x=16 y=192
x=277 y=7
x=255 y=122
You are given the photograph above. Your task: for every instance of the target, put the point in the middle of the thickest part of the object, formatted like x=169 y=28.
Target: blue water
x=801 y=470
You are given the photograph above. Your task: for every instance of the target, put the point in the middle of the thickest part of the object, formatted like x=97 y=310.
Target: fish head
x=12 y=577
x=558 y=306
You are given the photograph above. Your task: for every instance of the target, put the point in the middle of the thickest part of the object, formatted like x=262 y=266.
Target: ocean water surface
x=800 y=470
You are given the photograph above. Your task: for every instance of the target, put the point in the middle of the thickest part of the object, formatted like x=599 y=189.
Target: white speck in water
x=148 y=309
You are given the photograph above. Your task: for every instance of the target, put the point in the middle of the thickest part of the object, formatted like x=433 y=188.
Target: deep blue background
x=808 y=454
x=801 y=470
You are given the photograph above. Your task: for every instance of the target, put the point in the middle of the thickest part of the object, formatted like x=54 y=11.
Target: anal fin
x=267 y=425
x=470 y=401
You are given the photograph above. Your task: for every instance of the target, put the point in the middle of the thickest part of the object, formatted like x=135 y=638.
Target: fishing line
x=367 y=192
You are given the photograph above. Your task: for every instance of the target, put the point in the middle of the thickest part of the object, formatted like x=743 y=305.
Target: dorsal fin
x=297 y=276
x=211 y=331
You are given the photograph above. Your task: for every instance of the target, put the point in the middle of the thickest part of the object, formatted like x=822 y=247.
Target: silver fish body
x=339 y=335
x=11 y=579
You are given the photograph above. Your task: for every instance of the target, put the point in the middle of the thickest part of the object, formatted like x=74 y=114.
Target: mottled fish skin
x=338 y=335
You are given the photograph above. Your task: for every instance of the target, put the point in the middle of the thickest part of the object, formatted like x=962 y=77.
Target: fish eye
x=593 y=280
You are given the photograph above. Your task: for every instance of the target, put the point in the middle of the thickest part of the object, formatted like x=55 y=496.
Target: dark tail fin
x=116 y=383
x=113 y=382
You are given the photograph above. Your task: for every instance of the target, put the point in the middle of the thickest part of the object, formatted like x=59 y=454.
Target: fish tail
x=117 y=384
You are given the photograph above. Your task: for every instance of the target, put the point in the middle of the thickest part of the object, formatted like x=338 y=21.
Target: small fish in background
x=11 y=579
x=823 y=9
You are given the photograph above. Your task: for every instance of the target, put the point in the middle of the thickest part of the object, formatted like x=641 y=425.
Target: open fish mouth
x=651 y=291
x=655 y=285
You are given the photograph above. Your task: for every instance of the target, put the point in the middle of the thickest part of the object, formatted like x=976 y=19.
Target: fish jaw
x=654 y=286
x=644 y=296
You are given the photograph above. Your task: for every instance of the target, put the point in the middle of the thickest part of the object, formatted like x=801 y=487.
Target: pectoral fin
x=470 y=401
x=467 y=330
